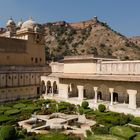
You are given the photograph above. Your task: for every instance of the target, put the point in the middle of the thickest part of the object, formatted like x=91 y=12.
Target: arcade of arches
x=114 y=92
x=50 y=87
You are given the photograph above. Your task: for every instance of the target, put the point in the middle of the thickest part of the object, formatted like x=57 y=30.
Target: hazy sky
x=121 y=15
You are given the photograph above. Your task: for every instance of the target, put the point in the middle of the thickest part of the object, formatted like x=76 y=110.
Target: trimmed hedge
x=85 y=104
x=8 y=132
x=19 y=105
x=135 y=121
x=4 y=108
x=101 y=107
x=31 y=108
x=4 y=119
x=1 y=112
x=103 y=137
x=112 y=118
x=12 y=112
x=97 y=129
x=137 y=137
x=122 y=131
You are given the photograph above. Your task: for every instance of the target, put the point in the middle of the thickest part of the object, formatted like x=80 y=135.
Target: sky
x=121 y=15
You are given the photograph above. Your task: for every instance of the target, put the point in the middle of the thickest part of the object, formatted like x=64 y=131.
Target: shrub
x=88 y=133
x=8 y=132
x=101 y=108
x=103 y=137
x=135 y=121
x=4 y=119
x=12 y=112
x=1 y=112
x=80 y=110
x=31 y=108
x=20 y=105
x=4 y=108
x=89 y=111
x=85 y=104
x=97 y=129
x=122 y=131
x=137 y=137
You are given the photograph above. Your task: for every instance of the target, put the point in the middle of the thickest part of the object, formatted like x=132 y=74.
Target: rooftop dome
x=10 y=22
x=20 y=23
x=29 y=24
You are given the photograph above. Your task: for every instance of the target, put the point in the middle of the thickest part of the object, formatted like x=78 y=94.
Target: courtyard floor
x=116 y=107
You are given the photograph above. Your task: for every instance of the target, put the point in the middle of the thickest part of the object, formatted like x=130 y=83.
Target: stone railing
x=57 y=67
x=119 y=67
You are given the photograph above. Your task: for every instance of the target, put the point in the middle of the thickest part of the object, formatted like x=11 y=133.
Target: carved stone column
x=80 y=92
x=63 y=91
x=132 y=98
x=111 y=90
x=96 y=94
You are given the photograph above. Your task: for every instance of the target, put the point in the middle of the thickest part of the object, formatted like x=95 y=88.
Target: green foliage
x=88 y=133
x=101 y=107
x=31 y=108
x=97 y=129
x=8 y=132
x=112 y=118
x=1 y=112
x=66 y=107
x=122 y=131
x=4 y=108
x=19 y=105
x=135 y=121
x=103 y=137
x=81 y=110
x=85 y=104
x=89 y=111
x=56 y=136
x=4 y=119
x=137 y=137
x=12 y=112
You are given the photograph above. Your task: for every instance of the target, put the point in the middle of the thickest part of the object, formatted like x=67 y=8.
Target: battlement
x=84 y=24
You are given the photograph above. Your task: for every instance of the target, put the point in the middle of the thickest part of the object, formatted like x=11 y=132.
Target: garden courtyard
x=40 y=119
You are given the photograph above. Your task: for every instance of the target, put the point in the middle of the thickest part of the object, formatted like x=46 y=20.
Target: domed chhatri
x=29 y=24
x=20 y=23
x=10 y=22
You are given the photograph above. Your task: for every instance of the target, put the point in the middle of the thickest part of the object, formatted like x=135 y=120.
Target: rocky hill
x=135 y=39
x=87 y=37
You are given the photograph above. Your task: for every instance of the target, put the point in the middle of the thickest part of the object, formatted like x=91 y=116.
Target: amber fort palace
x=25 y=74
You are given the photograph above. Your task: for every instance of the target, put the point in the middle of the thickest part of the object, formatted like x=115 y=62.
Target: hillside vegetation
x=98 y=39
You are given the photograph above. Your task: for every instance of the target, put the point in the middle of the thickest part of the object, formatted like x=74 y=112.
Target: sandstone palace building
x=24 y=74
x=22 y=60
x=106 y=81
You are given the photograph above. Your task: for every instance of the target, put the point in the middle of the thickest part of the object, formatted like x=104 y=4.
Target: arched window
x=36 y=60
x=49 y=87
x=43 y=87
x=55 y=87
x=32 y=59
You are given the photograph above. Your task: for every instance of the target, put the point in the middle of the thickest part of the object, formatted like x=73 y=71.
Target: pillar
x=111 y=90
x=96 y=94
x=132 y=98
x=52 y=91
x=63 y=91
x=80 y=92
x=46 y=88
